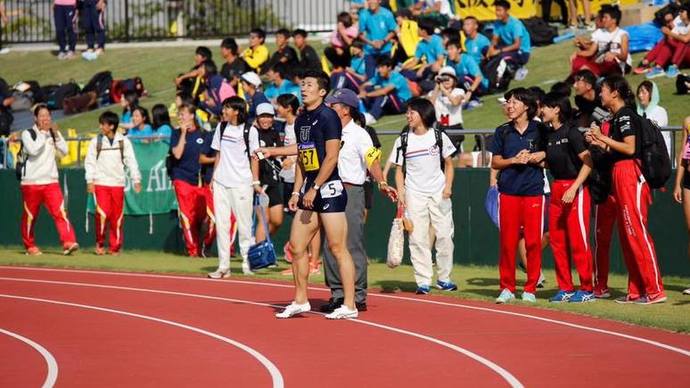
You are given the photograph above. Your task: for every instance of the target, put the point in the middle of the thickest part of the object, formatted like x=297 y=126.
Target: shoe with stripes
x=343 y=312
x=505 y=296
x=602 y=293
x=446 y=286
x=582 y=297
x=293 y=309
x=423 y=290
x=562 y=296
x=647 y=299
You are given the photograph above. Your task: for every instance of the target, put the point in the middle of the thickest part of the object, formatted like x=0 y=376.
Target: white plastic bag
x=396 y=244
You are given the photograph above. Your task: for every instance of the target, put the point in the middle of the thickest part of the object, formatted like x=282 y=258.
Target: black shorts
x=686 y=179
x=275 y=195
x=368 y=195
x=287 y=193
x=335 y=200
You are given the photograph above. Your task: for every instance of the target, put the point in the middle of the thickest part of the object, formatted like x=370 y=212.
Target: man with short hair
x=387 y=91
x=467 y=71
x=308 y=58
x=234 y=66
x=511 y=38
x=280 y=84
x=283 y=54
x=586 y=97
x=377 y=28
x=257 y=53
x=476 y=44
x=430 y=53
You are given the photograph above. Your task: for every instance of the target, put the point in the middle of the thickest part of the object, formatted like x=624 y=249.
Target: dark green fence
x=476 y=238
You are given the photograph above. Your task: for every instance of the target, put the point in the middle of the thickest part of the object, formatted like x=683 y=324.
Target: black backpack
x=500 y=72
x=402 y=150
x=656 y=164
x=20 y=165
x=99 y=147
x=100 y=83
x=540 y=32
x=56 y=98
x=682 y=84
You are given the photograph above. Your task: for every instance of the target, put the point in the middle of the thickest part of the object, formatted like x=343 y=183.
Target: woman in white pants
x=424 y=179
x=235 y=179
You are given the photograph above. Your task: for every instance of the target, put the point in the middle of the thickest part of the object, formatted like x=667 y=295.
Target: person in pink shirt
x=342 y=37
x=65 y=16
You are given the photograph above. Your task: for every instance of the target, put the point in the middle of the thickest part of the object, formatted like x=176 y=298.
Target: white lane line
x=52 y=375
x=507 y=376
x=403 y=298
x=272 y=369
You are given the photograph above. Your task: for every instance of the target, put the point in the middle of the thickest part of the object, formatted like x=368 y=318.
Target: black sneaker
x=331 y=305
x=361 y=306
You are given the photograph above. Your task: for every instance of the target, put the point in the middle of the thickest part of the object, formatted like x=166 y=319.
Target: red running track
x=115 y=329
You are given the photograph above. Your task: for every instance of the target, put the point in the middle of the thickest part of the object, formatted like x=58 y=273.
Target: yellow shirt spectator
x=255 y=57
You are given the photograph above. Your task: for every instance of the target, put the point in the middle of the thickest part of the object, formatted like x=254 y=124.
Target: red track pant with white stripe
x=634 y=197
x=51 y=196
x=192 y=212
x=605 y=215
x=518 y=213
x=569 y=228
x=110 y=202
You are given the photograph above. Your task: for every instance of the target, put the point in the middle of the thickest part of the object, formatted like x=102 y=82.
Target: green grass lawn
x=159 y=66
x=475 y=282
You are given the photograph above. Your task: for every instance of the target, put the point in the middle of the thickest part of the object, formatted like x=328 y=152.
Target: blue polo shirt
x=509 y=31
x=430 y=49
x=477 y=47
x=402 y=89
x=207 y=169
x=287 y=87
x=140 y=133
x=376 y=26
x=468 y=67
x=254 y=101
x=527 y=179
x=358 y=65
x=187 y=168
x=313 y=129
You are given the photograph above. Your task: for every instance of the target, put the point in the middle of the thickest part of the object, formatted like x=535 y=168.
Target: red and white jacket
x=40 y=166
x=107 y=168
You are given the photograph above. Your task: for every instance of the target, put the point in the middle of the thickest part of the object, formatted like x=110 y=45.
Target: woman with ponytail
x=630 y=190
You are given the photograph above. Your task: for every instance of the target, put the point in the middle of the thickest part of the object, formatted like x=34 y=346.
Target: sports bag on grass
x=263 y=254
x=396 y=241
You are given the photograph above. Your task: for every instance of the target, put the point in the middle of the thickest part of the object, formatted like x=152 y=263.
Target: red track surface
x=401 y=342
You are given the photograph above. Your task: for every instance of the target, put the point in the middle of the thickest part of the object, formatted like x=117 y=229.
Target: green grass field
x=159 y=66
x=475 y=282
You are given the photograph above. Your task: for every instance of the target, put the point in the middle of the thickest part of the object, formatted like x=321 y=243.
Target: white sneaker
x=521 y=73
x=686 y=291
x=293 y=309
x=343 y=312
x=369 y=119
x=62 y=55
x=218 y=274
x=4 y=51
x=246 y=270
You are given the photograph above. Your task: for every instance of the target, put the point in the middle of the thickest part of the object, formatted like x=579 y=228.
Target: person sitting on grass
x=104 y=167
x=428 y=57
x=673 y=50
x=251 y=85
x=234 y=66
x=468 y=74
x=280 y=83
x=308 y=58
x=257 y=53
x=476 y=44
x=357 y=67
x=338 y=53
x=191 y=82
x=283 y=54
x=386 y=92
x=217 y=88
x=511 y=39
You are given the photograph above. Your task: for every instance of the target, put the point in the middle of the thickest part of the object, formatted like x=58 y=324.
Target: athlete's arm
x=288 y=150
x=585 y=170
x=450 y=174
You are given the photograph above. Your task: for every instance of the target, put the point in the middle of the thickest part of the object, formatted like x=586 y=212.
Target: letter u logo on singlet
x=304 y=133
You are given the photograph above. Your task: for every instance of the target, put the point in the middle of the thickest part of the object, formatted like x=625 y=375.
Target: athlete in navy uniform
x=321 y=199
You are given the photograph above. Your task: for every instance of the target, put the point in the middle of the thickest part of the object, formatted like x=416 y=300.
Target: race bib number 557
x=308 y=156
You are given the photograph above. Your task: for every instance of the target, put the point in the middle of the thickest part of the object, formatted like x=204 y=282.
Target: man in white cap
x=251 y=85
x=357 y=157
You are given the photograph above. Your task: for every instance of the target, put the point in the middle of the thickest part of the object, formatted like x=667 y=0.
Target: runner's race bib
x=331 y=189
x=308 y=156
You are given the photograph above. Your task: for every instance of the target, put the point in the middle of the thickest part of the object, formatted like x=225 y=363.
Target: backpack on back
x=20 y=165
x=656 y=164
x=402 y=150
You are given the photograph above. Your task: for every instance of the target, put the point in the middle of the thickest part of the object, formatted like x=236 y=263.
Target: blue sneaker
x=582 y=297
x=423 y=290
x=505 y=297
x=529 y=297
x=655 y=72
x=562 y=296
x=446 y=286
x=672 y=71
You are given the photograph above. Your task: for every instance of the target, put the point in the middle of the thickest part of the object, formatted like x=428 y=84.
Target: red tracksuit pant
x=569 y=234
x=605 y=215
x=669 y=51
x=110 y=202
x=191 y=200
x=634 y=197
x=599 y=69
x=518 y=213
x=51 y=196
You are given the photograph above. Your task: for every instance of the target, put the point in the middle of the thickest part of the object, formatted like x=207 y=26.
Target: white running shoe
x=293 y=309
x=246 y=269
x=369 y=119
x=521 y=74
x=343 y=312
x=218 y=274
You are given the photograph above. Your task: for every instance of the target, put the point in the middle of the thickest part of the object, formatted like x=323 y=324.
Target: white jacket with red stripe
x=40 y=166
x=107 y=168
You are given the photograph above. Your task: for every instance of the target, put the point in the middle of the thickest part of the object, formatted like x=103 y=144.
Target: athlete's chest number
x=309 y=157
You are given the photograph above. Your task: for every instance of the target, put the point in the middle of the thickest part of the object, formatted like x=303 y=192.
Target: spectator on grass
x=41 y=145
x=217 y=88
x=377 y=28
x=387 y=92
x=511 y=39
x=234 y=66
x=648 y=106
x=191 y=82
x=283 y=54
x=251 y=85
x=141 y=131
x=65 y=16
x=518 y=152
x=346 y=31
x=673 y=50
x=630 y=191
x=162 y=127
x=608 y=52
x=424 y=189
x=235 y=180
x=448 y=99
x=308 y=58
x=586 y=97
x=108 y=155
x=129 y=101
x=357 y=67
x=681 y=192
x=439 y=12
x=429 y=56
x=187 y=144
x=280 y=83
x=476 y=44
x=257 y=53
x=561 y=87
x=93 y=16
x=469 y=75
